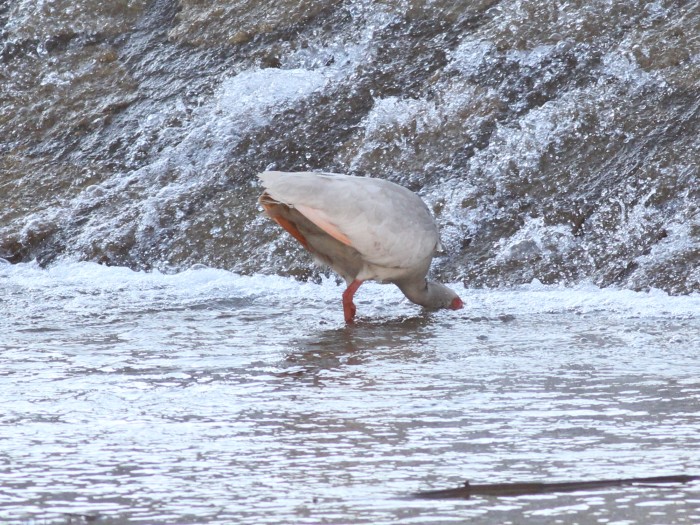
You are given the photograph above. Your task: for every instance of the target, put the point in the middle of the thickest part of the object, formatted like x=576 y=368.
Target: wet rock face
x=557 y=142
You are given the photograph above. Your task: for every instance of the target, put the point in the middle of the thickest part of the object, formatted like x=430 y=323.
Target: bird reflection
x=353 y=345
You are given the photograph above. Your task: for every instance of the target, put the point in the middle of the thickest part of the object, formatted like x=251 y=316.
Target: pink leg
x=348 y=305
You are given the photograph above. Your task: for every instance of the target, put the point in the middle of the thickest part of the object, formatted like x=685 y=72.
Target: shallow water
x=208 y=397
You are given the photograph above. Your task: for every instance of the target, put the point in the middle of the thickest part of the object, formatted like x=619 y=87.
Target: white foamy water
x=209 y=397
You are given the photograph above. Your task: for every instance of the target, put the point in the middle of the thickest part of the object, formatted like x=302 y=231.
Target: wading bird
x=363 y=228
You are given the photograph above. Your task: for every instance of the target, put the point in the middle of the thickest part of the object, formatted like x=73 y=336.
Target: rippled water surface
x=208 y=397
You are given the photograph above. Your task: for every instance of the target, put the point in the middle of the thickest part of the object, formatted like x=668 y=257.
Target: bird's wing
x=389 y=225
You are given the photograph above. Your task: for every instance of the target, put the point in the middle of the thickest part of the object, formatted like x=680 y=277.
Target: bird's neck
x=425 y=293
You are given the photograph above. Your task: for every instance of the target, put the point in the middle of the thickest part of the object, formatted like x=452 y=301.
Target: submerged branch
x=522 y=489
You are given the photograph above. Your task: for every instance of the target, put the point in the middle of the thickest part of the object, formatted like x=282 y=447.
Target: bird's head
x=456 y=304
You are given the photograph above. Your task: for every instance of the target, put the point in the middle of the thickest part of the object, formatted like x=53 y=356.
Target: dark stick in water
x=522 y=489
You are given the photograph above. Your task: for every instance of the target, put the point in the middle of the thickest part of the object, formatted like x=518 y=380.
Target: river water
x=205 y=396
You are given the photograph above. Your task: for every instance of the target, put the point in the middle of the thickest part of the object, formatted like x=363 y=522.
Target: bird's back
x=390 y=226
